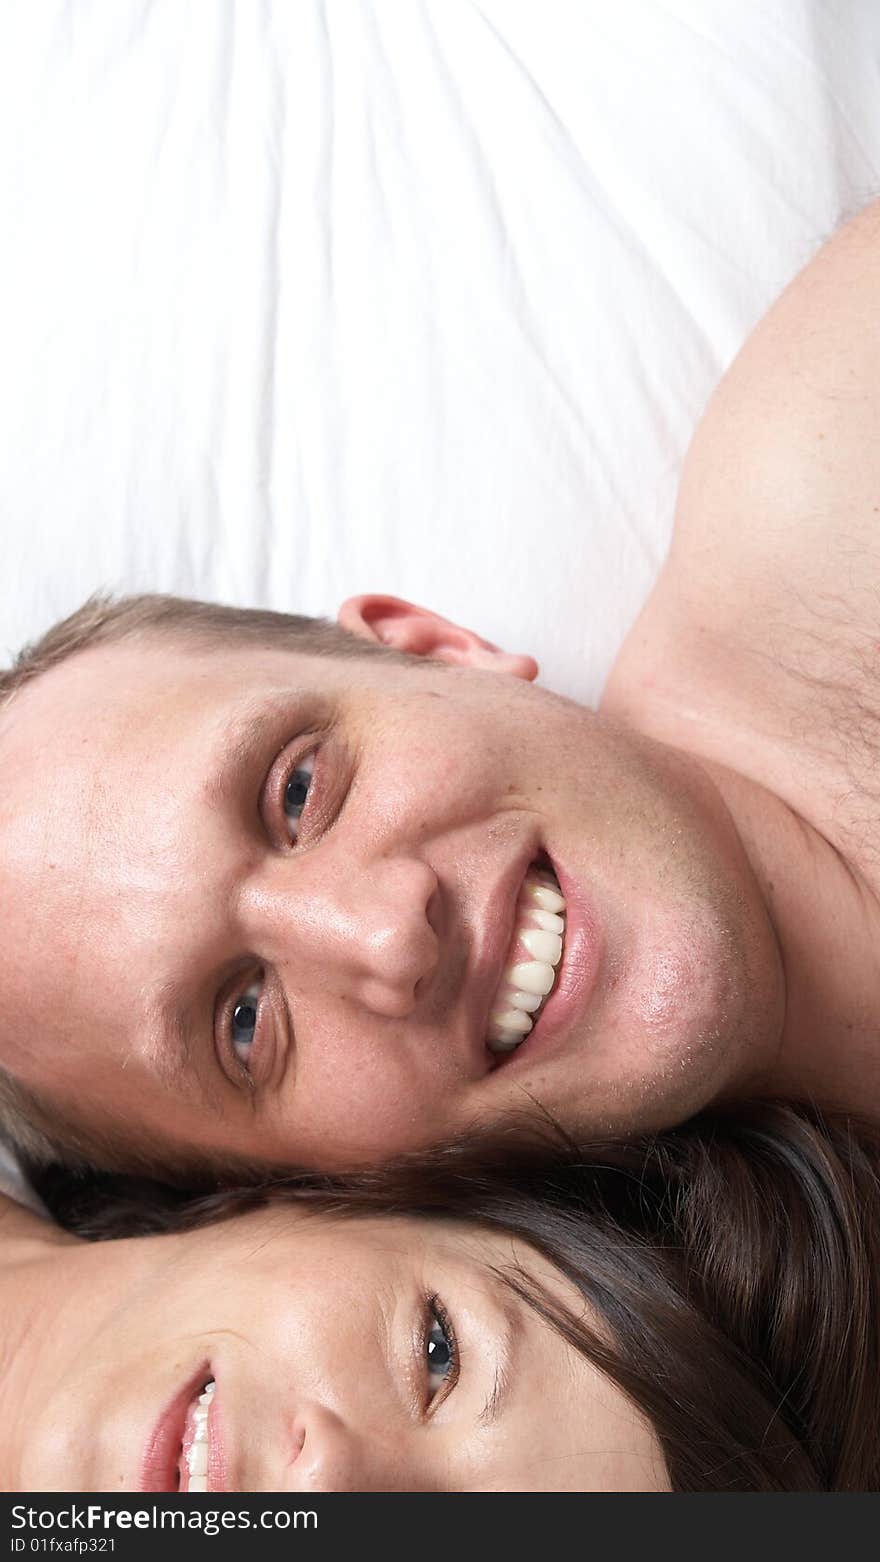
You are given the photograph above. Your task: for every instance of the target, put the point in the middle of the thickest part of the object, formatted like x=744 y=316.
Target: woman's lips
x=160 y=1464
x=197 y=1441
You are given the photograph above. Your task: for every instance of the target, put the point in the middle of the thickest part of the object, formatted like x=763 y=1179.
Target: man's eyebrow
x=172 y=1034
x=178 y=1054
x=243 y=743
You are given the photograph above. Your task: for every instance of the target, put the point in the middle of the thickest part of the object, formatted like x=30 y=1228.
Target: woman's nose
x=325 y=1454
x=364 y=933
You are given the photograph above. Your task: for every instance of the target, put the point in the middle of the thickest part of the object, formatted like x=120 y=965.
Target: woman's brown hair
x=733 y=1264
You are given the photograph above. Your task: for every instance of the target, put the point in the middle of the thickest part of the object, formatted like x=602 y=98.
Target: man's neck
x=823 y=906
x=827 y=923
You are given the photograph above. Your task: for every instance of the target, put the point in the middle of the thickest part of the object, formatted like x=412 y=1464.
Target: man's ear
x=405 y=627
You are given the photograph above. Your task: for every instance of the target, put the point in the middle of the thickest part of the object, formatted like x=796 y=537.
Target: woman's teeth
x=197 y=1453
x=536 y=947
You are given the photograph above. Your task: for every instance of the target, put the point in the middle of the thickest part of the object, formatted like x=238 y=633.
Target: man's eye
x=296 y=792
x=441 y=1352
x=243 y=1022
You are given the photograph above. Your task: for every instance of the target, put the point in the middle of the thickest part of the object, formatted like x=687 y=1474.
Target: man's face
x=261 y=904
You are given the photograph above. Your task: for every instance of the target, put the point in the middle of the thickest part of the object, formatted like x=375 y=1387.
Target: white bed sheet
x=305 y=297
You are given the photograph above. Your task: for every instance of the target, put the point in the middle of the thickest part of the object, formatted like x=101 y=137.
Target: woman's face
x=369 y=1354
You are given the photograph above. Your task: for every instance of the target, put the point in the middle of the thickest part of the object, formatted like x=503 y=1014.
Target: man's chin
x=615 y=1081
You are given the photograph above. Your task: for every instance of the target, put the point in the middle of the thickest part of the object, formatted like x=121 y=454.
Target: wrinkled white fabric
x=304 y=297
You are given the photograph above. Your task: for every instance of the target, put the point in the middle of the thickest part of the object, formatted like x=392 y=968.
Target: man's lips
x=499 y=916
x=576 y=976
x=159 y=1468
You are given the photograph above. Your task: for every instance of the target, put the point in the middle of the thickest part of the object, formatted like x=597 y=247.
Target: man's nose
x=364 y=932
x=326 y=1454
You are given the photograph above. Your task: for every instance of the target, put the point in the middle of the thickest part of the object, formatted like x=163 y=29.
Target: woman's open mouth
x=533 y=958
x=182 y=1426
x=195 y=1443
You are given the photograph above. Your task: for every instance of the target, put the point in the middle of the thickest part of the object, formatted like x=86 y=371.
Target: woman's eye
x=296 y=792
x=440 y=1350
x=243 y=1022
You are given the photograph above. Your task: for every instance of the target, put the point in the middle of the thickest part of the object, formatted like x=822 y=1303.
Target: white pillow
x=303 y=299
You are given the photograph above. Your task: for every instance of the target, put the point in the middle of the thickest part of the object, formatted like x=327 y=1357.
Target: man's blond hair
x=108 y=620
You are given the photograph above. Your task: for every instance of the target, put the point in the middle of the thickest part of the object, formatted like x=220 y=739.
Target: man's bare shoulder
x=771 y=593
x=781 y=488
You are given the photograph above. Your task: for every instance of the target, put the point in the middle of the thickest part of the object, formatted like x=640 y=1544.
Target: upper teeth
x=197 y=1452
x=536 y=948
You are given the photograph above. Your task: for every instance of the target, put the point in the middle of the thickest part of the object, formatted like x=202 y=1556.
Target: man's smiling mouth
x=533 y=958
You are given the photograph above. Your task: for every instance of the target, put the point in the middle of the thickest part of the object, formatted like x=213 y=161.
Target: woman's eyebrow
x=501 y=1381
